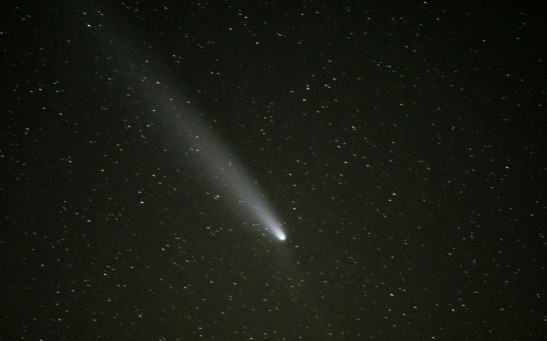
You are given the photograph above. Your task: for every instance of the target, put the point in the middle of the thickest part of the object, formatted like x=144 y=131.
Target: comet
x=196 y=136
x=272 y=224
x=214 y=158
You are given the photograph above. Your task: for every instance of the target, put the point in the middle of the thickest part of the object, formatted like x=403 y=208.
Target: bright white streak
x=232 y=179
x=214 y=158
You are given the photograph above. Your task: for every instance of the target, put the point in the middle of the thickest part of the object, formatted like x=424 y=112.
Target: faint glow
x=202 y=145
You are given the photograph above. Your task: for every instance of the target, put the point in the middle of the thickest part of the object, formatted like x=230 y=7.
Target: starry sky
x=401 y=145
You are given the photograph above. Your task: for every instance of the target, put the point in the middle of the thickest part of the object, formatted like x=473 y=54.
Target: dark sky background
x=402 y=144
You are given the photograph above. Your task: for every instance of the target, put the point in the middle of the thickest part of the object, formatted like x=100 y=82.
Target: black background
x=401 y=142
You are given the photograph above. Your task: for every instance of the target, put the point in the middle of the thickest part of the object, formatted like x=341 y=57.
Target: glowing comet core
x=272 y=225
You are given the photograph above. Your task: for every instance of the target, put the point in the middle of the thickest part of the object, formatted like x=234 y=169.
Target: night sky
x=399 y=144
